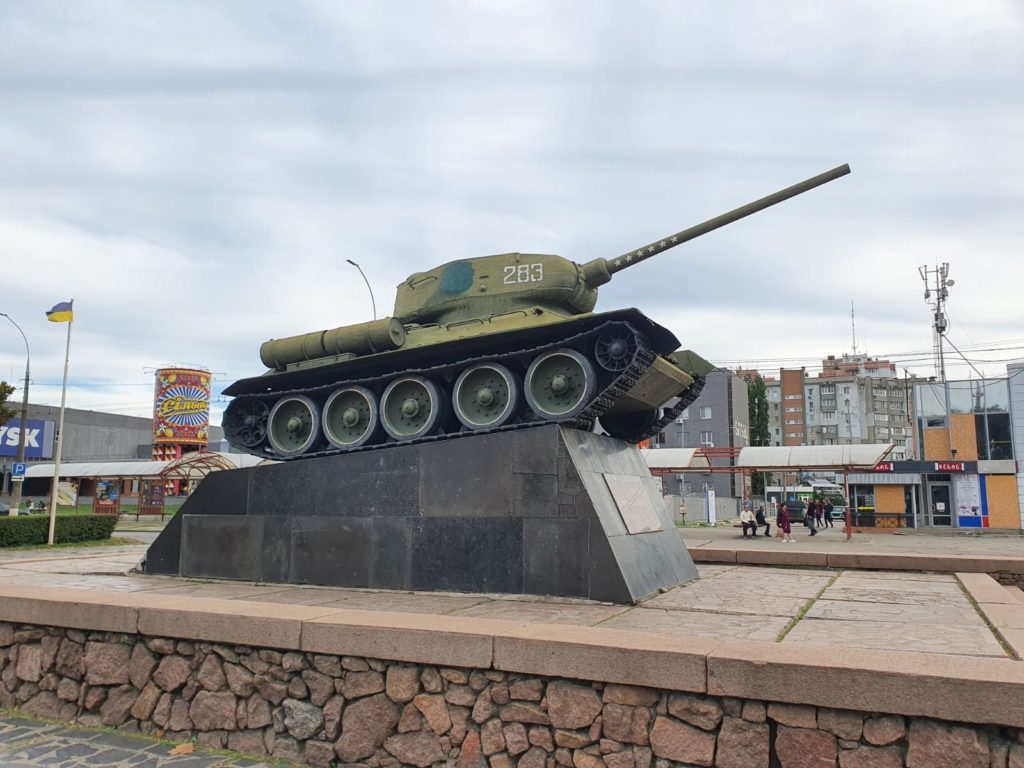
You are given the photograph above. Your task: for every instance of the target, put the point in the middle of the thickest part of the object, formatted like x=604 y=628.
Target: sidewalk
x=908 y=542
x=731 y=601
x=29 y=743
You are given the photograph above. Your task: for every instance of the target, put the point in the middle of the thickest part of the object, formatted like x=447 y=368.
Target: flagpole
x=60 y=440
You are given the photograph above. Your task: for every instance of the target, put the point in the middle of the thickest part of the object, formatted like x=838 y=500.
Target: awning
x=112 y=470
x=674 y=458
x=813 y=456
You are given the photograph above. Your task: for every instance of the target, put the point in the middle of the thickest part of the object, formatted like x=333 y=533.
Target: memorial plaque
x=632 y=497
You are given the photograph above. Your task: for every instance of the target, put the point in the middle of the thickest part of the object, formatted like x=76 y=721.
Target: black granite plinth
x=543 y=511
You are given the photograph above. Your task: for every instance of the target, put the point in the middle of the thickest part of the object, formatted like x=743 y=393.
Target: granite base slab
x=542 y=511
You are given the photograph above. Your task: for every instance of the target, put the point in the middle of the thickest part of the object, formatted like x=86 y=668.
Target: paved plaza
x=906 y=542
x=28 y=743
x=818 y=611
x=879 y=610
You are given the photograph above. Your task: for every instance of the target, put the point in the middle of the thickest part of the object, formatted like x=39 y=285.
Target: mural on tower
x=181 y=411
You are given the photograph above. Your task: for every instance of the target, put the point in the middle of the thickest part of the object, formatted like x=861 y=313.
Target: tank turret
x=492 y=342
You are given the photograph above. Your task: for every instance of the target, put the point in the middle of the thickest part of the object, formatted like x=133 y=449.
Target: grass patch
x=1007 y=648
x=804 y=609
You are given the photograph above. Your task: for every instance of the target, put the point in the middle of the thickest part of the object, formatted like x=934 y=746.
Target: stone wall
x=1009 y=579
x=323 y=709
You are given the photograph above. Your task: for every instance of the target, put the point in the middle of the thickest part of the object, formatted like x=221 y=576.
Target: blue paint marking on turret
x=458 y=278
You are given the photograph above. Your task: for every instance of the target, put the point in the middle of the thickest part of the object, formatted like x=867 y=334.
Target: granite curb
x=861 y=560
x=1002 y=606
x=933 y=685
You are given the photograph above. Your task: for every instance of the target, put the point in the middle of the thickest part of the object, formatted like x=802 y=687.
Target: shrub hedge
x=34 y=529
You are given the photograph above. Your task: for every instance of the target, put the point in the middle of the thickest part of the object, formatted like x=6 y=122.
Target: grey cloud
x=195 y=174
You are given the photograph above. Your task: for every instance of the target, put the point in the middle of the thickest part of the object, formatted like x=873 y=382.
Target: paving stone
x=714 y=625
x=958 y=640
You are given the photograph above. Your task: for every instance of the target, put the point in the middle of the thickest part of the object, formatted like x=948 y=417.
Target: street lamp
x=16 y=491
x=372 y=302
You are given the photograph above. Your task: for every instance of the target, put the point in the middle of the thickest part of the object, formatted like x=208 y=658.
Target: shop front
x=937 y=494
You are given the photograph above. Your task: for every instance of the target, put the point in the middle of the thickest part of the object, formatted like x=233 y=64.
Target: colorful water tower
x=181 y=412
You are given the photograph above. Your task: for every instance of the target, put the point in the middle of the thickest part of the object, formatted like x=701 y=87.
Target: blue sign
x=17 y=470
x=38 y=438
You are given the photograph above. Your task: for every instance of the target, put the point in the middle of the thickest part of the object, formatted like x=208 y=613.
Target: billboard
x=181 y=406
x=38 y=438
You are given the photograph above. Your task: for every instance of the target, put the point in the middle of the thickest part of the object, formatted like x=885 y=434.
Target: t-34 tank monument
x=481 y=439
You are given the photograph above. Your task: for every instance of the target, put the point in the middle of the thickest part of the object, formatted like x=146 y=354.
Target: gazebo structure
x=782 y=458
x=147 y=481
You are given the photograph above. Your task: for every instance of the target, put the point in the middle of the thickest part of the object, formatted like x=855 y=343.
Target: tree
x=6 y=414
x=757 y=404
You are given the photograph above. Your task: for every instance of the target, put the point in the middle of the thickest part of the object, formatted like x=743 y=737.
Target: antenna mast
x=853 y=327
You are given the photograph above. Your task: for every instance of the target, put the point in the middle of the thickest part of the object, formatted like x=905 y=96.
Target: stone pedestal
x=542 y=511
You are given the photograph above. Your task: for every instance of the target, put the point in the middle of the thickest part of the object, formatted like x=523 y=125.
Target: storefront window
x=999 y=444
x=863 y=506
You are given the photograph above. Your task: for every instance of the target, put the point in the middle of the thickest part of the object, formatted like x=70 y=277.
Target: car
x=796 y=510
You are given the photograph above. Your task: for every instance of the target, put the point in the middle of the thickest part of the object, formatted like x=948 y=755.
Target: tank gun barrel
x=671 y=241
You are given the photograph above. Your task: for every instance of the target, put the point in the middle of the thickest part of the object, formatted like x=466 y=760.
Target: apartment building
x=719 y=418
x=855 y=399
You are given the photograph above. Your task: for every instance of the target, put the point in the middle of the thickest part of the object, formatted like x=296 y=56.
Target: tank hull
x=627 y=392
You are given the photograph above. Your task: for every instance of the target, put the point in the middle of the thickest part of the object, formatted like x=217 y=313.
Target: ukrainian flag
x=61 y=313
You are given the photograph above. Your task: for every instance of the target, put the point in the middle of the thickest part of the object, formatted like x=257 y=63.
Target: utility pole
x=935 y=294
x=19 y=481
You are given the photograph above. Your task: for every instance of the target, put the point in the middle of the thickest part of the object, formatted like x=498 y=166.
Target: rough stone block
x=742 y=744
x=871 y=757
x=701 y=711
x=941 y=745
x=682 y=743
x=884 y=730
x=803 y=748
x=843 y=723
x=793 y=715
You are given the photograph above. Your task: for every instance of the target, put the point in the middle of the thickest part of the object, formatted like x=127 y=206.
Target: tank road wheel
x=559 y=383
x=614 y=349
x=351 y=417
x=410 y=407
x=485 y=396
x=245 y=422
x=629 y=426
x=294 y=425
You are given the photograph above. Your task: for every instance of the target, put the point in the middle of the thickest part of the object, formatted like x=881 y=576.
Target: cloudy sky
x=194 y=175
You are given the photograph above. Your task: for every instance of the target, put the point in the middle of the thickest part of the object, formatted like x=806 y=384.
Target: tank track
x=686 y=399
x=643 y=357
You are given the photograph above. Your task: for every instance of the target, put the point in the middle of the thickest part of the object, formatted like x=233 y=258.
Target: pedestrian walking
x=828 y=514
x=819 y=512
x=784 y=525
x=809 y=517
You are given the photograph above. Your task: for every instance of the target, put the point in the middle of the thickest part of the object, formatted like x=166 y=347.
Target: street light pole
x=16 y=491
x=372 y=302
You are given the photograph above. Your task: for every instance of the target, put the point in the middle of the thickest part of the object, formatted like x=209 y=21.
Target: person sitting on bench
x=762 y=520
x=747 y=521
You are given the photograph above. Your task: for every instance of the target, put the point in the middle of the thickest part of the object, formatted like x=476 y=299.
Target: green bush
x=26 y=530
